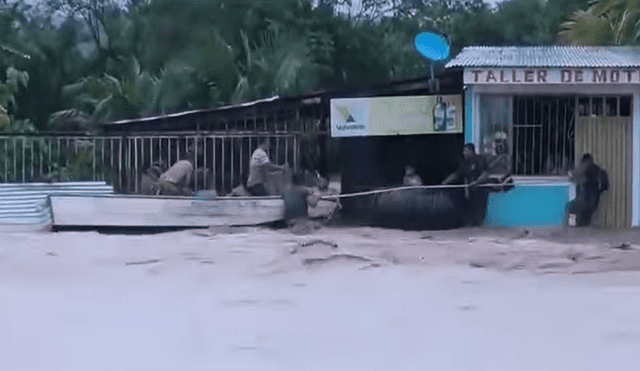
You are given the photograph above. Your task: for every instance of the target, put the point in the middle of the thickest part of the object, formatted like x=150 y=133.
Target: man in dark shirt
x=590 y=180
x=471 y=172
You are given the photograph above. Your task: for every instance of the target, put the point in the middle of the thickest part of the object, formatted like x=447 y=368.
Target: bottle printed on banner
x=439 y=115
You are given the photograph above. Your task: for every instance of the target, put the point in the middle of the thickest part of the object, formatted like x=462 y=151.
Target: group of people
x=178 y=181
x=473 y=170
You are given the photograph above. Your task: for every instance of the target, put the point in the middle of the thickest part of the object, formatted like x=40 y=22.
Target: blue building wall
x=469 y=131
x=635 y=189
x=530 y=206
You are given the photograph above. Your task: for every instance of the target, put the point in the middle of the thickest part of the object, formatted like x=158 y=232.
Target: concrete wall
x=530 y=205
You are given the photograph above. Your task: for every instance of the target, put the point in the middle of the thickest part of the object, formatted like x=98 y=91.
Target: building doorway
x=603 y=128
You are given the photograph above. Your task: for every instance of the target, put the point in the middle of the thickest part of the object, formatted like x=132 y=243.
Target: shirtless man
x=259 y=168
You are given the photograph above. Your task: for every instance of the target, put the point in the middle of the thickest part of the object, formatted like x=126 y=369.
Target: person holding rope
x=472 y=171
x=297 y=199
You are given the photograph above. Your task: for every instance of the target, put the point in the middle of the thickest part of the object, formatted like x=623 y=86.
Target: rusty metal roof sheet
x=547 y=56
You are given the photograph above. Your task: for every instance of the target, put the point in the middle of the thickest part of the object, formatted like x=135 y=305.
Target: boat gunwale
x=185 y=198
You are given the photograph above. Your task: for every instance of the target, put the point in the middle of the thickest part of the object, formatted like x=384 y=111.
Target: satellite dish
x=432 y=45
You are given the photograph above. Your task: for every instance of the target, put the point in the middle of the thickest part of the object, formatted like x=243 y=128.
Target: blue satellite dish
x=431 y=45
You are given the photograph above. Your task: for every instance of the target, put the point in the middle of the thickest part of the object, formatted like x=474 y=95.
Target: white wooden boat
x=169 y=211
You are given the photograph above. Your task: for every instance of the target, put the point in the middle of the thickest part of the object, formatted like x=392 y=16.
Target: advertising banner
x=412 y=115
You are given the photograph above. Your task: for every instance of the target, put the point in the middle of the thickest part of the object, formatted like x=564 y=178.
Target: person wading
x=177 y=180
x=259 y=168
x=297 y=199
x=472 y=171
x=591 y=181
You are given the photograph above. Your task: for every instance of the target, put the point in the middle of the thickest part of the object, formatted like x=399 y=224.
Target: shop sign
x=541 y=76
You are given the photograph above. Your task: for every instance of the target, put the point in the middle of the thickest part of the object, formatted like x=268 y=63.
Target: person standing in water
x=591 y=181
x=297 y=199
x=471 y=172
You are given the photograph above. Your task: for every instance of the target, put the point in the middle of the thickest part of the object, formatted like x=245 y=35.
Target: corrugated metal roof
x=26 y=207
x=547 y=56
x=186 y=113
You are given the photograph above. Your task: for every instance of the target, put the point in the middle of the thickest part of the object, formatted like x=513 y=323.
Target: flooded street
x=258 y=299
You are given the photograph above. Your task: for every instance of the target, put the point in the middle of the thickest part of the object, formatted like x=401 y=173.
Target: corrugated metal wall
x=608 y=139
x=26 y=207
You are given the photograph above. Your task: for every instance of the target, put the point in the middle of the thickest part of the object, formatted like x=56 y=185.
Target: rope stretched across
x=442 y=186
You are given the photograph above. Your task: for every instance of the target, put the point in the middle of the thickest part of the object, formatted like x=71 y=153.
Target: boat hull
x=419 y=209
x=167 y=211
x=428 y=209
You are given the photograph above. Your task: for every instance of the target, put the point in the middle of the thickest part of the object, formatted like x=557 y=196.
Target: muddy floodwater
x=341 y=298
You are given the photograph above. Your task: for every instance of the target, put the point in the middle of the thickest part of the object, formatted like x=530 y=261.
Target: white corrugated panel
x=25 y=207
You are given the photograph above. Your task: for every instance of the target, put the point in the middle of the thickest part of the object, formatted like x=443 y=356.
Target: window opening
x=542 y=137
x=611 y=106
x=583 y=106
x=596 y=106
x=625 y=106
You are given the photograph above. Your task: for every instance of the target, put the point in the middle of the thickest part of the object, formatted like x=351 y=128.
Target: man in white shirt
x=177 y=180
x=259 y=168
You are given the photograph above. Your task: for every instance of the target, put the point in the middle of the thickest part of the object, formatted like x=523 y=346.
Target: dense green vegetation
x=65 y=64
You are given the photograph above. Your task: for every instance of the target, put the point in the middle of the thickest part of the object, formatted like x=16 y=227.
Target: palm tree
x=280 y=65
x=605 y=22
x=8 y=89
x=108 y=98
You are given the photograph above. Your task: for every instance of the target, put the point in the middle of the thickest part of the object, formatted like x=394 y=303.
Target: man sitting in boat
x=472 y=172
x=259 y=168
x=177 y=180
x=410 y=177
x=150 y=178
x=297 y=199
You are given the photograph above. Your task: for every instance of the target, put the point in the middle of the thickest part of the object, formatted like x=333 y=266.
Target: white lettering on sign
x=552 y=76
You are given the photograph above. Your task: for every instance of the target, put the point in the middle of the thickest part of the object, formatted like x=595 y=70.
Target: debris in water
x=151 y=261
x=522 y=234
x=623 y=246
x=313 y=242
x=312 y=261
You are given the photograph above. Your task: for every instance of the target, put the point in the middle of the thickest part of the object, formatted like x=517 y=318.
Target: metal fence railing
x=121 y=160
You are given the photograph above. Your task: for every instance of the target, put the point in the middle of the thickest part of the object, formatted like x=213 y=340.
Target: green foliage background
x=100 y=60
x=69 y=64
